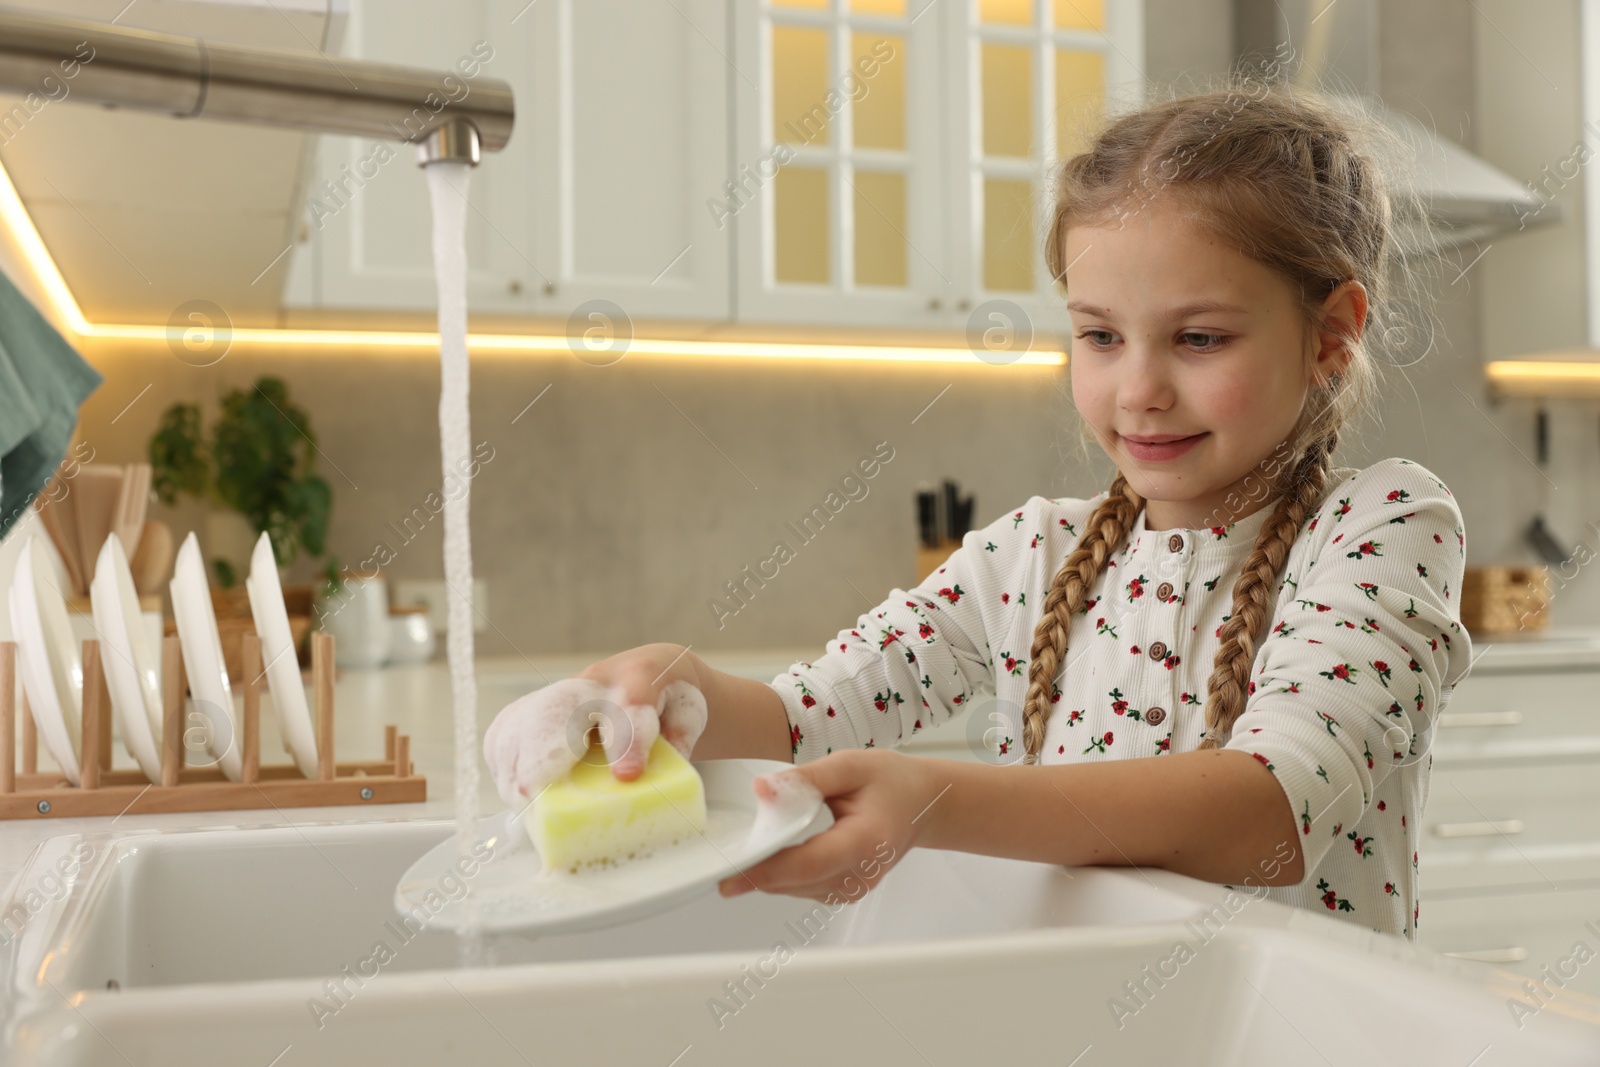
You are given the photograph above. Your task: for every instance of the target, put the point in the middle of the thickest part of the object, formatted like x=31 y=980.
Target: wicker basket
x=1504 y=600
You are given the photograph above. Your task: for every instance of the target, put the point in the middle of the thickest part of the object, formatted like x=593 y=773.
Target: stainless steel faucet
x=190 y=77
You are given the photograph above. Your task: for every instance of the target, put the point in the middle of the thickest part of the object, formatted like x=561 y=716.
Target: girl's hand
x=632 y=697
x=877 y=797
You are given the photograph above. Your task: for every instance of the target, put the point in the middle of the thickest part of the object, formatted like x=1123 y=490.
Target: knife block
x=931 y=559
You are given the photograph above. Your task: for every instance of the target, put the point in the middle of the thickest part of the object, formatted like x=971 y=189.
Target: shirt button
x=1175 y=543
x=1158 y=650
x=1164 y=590
x=1155 y=716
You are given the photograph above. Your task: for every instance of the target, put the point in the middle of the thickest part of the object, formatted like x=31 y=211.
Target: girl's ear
x=1346 y=309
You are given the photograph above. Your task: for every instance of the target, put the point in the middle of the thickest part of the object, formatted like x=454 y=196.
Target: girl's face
x=1176 y=335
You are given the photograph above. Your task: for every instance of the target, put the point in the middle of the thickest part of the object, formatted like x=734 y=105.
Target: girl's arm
x=745 y=718
x=1217 y=815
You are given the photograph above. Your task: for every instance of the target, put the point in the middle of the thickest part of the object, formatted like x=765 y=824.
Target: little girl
x=1228 y=664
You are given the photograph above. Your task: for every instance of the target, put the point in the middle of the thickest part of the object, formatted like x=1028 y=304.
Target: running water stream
x=447 y=188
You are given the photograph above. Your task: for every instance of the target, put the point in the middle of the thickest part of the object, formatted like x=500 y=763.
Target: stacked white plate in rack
x=277 y=653
x=48 y=656
x=50 y=659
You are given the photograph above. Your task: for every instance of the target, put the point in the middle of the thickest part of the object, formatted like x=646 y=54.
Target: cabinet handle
x=934 y=304
x=1480 y=718
x=1509 y=954
x=1478 y=829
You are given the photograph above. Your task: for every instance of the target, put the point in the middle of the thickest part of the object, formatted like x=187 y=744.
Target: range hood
x=1333 y=45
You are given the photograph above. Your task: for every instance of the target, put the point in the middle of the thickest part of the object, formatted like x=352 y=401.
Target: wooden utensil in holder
x=1505 y=600
x=30 y=794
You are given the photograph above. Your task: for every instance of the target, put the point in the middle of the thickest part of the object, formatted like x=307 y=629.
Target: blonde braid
x=1104 y=531
x=1255 y=592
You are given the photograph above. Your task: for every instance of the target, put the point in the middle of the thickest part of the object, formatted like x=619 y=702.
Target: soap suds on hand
x=793 y=797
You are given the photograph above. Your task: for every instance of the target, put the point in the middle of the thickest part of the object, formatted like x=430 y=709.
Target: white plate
x=202 y=657
x=277 y=652
x=50 y=659
x=132 y=665
x=512 y=892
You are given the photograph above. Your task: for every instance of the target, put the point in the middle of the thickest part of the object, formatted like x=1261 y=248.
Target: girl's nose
x=1145 y=382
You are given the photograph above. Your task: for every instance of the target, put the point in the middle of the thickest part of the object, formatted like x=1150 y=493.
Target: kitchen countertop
x=417 y=700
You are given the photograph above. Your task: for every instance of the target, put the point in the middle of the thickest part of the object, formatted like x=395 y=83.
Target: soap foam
x=793 y=796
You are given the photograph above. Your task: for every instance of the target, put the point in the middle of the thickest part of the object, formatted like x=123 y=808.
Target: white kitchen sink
x=262 y=946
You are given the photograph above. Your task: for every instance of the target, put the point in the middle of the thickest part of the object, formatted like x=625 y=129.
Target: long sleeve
x=917 y=658
x=1365 y=653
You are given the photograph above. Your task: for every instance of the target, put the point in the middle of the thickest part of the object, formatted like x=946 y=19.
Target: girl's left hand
x=878 y=798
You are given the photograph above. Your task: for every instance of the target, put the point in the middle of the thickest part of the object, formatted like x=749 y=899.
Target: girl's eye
x=1208 y=341
x=1218 y=339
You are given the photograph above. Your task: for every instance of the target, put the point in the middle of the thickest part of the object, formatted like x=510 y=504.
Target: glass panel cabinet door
x=838 y=197
x=893 y=157
x=1038 y=76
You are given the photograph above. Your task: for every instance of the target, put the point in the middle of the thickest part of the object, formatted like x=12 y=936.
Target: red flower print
x=1332 y=900
x=831 y=712
x=795 y=737
x=1366 y=548
x=1342 y=671
x=807 y=700
x=952 y=595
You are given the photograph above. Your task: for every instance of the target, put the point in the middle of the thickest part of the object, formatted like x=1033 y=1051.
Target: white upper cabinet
x=871 y=163
x=621 y=138
x=894 y=155
x=367 y=223
x=626 y=105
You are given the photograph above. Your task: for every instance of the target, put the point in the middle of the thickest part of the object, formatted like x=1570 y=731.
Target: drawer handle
x=1478 y=829
x=1480 y=718
x=1510 y=954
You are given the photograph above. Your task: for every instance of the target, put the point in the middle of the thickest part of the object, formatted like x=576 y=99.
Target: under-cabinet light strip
x=20 y=225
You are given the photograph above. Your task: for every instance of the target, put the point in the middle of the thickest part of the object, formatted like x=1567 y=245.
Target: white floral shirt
x=1364 y=650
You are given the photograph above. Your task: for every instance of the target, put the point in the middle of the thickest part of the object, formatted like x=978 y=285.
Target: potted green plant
x=256 y=470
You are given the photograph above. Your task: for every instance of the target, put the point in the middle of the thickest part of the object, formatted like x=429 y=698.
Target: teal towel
x=42 y=382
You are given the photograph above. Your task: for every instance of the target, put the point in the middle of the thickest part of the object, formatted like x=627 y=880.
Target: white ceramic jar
x=358 y=618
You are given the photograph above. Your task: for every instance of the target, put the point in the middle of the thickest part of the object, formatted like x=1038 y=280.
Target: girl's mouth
x=1165 y=450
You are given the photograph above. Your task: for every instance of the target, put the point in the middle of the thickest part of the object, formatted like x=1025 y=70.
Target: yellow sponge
x=590 y=817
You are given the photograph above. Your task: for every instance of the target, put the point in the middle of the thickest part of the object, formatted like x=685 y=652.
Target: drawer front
x=1523 y=934
x=1487 y=713
x=1511 y=826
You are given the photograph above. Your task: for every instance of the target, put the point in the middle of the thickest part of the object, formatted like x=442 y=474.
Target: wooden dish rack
x=32 y=794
